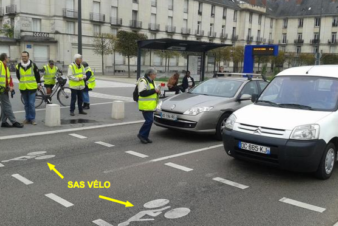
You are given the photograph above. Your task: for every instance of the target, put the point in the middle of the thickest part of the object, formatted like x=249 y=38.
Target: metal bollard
x=118 y=110
x=53 y=115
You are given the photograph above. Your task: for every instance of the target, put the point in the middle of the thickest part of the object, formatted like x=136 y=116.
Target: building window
x=152 y=36
x=185 y=23
x=186 y=6
x=71 y=28
x=300 y=22
x=334 y=37
x=170 y=21
x=260 y=19
x=284 y=41
x=315 y=49
x=153 y=3
x=37 y=25
x=271 y=23
x=298 y=50
x=235 y=16
x=224 y=13
x=285 y=23
x=170 y=5
x=317 y=22
x=97 y=29
x=284 y=49
x=316 y=36
x=135 y=1
x=200 y=8
x=335 y=22
x=213 y=11
x=114 y=15
x=211 y=28
x=250 y=18
x=300 y=36
x=114 y=31
x=134 y=15
x=199 y=25
x=153 y=21
x=233 y=31
x=258 y=34
x=270 y=37
x=223 y=29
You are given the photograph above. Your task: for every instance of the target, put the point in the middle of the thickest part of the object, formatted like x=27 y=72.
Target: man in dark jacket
x=188 y=81
x=28 y=75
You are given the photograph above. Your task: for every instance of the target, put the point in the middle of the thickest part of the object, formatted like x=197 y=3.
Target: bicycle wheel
x=39 y=96
x=63 y=96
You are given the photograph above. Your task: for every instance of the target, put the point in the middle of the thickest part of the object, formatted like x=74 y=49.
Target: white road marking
x=69 y=130
x=59 y=200
x=1 y=165
x=77 y=136
x=302 y=205
x=186 y=169
x=336 y=224
x=22 y=179
x=137 y=154
x=104 y=144
x=111 y=97
x=187 y=153
x=100 y=222
x=231 y=183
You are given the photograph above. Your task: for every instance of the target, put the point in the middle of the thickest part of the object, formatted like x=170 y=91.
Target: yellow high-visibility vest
x=49 y=76
x=3 y=75
x=91 y=80
x=27 y=78
x=78 y=73
x=148 y=103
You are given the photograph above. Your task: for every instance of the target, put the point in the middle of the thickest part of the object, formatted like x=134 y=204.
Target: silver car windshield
x=218 y=87
x=301 y=92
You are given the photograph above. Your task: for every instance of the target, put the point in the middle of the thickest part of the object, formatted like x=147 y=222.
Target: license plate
x=169 y=116
x=254 y=148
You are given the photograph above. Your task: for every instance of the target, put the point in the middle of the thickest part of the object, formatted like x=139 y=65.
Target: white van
x=293 y=124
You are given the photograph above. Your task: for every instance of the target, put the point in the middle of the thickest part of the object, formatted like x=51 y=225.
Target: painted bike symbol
x=171 y=214
x=38 y=155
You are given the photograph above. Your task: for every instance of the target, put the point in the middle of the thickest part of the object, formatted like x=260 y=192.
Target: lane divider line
x=186 y=169
x=59 y=200
x=2 y=165
x=302 y=205
x=104 y=144
x=101 y=222
x=231 y=183
x=77 y=136
x=22 y=179
x=186 y=153
x=137 y=154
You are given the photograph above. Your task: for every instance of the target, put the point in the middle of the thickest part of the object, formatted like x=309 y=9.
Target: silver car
x=205 y=108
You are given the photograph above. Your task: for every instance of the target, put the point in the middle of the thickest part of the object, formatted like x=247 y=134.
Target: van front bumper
x=294 y=155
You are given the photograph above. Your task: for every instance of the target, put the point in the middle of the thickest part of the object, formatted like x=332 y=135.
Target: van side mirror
x=245 y=97
x=254 y=98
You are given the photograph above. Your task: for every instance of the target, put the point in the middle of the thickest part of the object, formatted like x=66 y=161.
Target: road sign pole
x=79 y=20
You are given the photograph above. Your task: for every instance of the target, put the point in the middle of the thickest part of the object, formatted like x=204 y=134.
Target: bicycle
x=63 y=93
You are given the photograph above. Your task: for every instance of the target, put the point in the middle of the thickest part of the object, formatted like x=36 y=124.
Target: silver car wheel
x=223 y=124
x=329 y=160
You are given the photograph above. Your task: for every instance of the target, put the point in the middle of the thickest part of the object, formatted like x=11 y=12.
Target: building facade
x=48 y=29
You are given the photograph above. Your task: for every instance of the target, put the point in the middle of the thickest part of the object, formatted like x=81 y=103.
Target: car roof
x=242 y=79
x=318 y=70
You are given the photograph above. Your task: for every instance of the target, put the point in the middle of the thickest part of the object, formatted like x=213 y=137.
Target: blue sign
x=29 y=46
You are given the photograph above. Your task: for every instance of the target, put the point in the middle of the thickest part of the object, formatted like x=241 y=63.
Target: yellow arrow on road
x=52 y=167
x=127 y=204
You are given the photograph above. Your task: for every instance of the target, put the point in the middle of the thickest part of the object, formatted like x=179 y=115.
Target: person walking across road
x=76 y=75
x=28 y=75
x=49 y=78
x=6 y=86
x=90 y=85
x=147 y=103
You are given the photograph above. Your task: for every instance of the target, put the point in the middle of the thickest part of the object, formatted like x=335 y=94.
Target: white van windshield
x=301 y=92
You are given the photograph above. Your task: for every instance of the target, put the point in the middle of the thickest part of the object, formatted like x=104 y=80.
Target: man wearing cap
x=50 y=71
x=76 y=76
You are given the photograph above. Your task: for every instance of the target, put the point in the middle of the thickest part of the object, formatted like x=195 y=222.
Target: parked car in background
x=205 y=108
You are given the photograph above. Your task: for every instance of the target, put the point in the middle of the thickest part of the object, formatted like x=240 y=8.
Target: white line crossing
x=77 y=136
x=101 y=222
x=302 y=205
x=231 y=183
x=2 y=165
x=186 y=169
x=59 y=200
x=22 y=179
x=104 y=144
x=137 y=154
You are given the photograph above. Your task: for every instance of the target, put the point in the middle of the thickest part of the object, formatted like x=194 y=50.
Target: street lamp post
x=79 y=20
x=318 y=54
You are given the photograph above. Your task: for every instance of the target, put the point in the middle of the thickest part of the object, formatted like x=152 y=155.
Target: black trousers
x=76 y=96
x=177 y=89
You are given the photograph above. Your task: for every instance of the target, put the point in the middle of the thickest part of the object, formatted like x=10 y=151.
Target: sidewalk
x=118 y=78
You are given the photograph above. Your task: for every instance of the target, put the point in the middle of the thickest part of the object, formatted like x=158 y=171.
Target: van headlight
x=197 y=110
x=159 y=105
x=230 y=122
x=305 y=132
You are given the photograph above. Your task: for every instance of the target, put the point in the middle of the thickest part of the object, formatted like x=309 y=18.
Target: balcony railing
x=97 y=17
x=115 y=21
x=283 y=42
x=315 y=41
x=154 y=27
x=224 y=36
x=212 y=34
x=259 y=40
x=249 y=39
x=199 y=33
x=170 y=29
x=335 y=24
x=185 y=31
x=234 y=38
x=1 y=12
x=285 y=26
x=270 y=41
x=299 y=41
x=332 y=42
x=153 y=3
x=11 y=9
x=70 y=13
x=199 y=12
x=135 y=24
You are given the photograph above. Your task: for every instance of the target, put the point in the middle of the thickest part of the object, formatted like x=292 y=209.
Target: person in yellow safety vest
x=28 y=75
x=147 y=103
x=90 y=85
x=6 y=86
x=49 y=77
x=76 y=76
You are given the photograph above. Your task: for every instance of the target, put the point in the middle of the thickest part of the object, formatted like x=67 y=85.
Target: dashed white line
x=104 y=144
x=100 y=222
x=302 y=205
x=231 y=183
x=186 y=153
x=137 y=154
x=77 y=136
x=59 y=200
x=22 y=179
x=2 y=165
x=186 y=169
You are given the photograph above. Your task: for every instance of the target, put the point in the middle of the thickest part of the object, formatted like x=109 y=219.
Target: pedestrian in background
x=147 y=103
x=188 y=81
x=28 y=75
x=76 y=75
x=49 y=77
x=90 y=85
x=6 y=86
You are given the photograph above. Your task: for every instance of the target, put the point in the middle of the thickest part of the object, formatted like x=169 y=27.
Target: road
x=180 y=179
